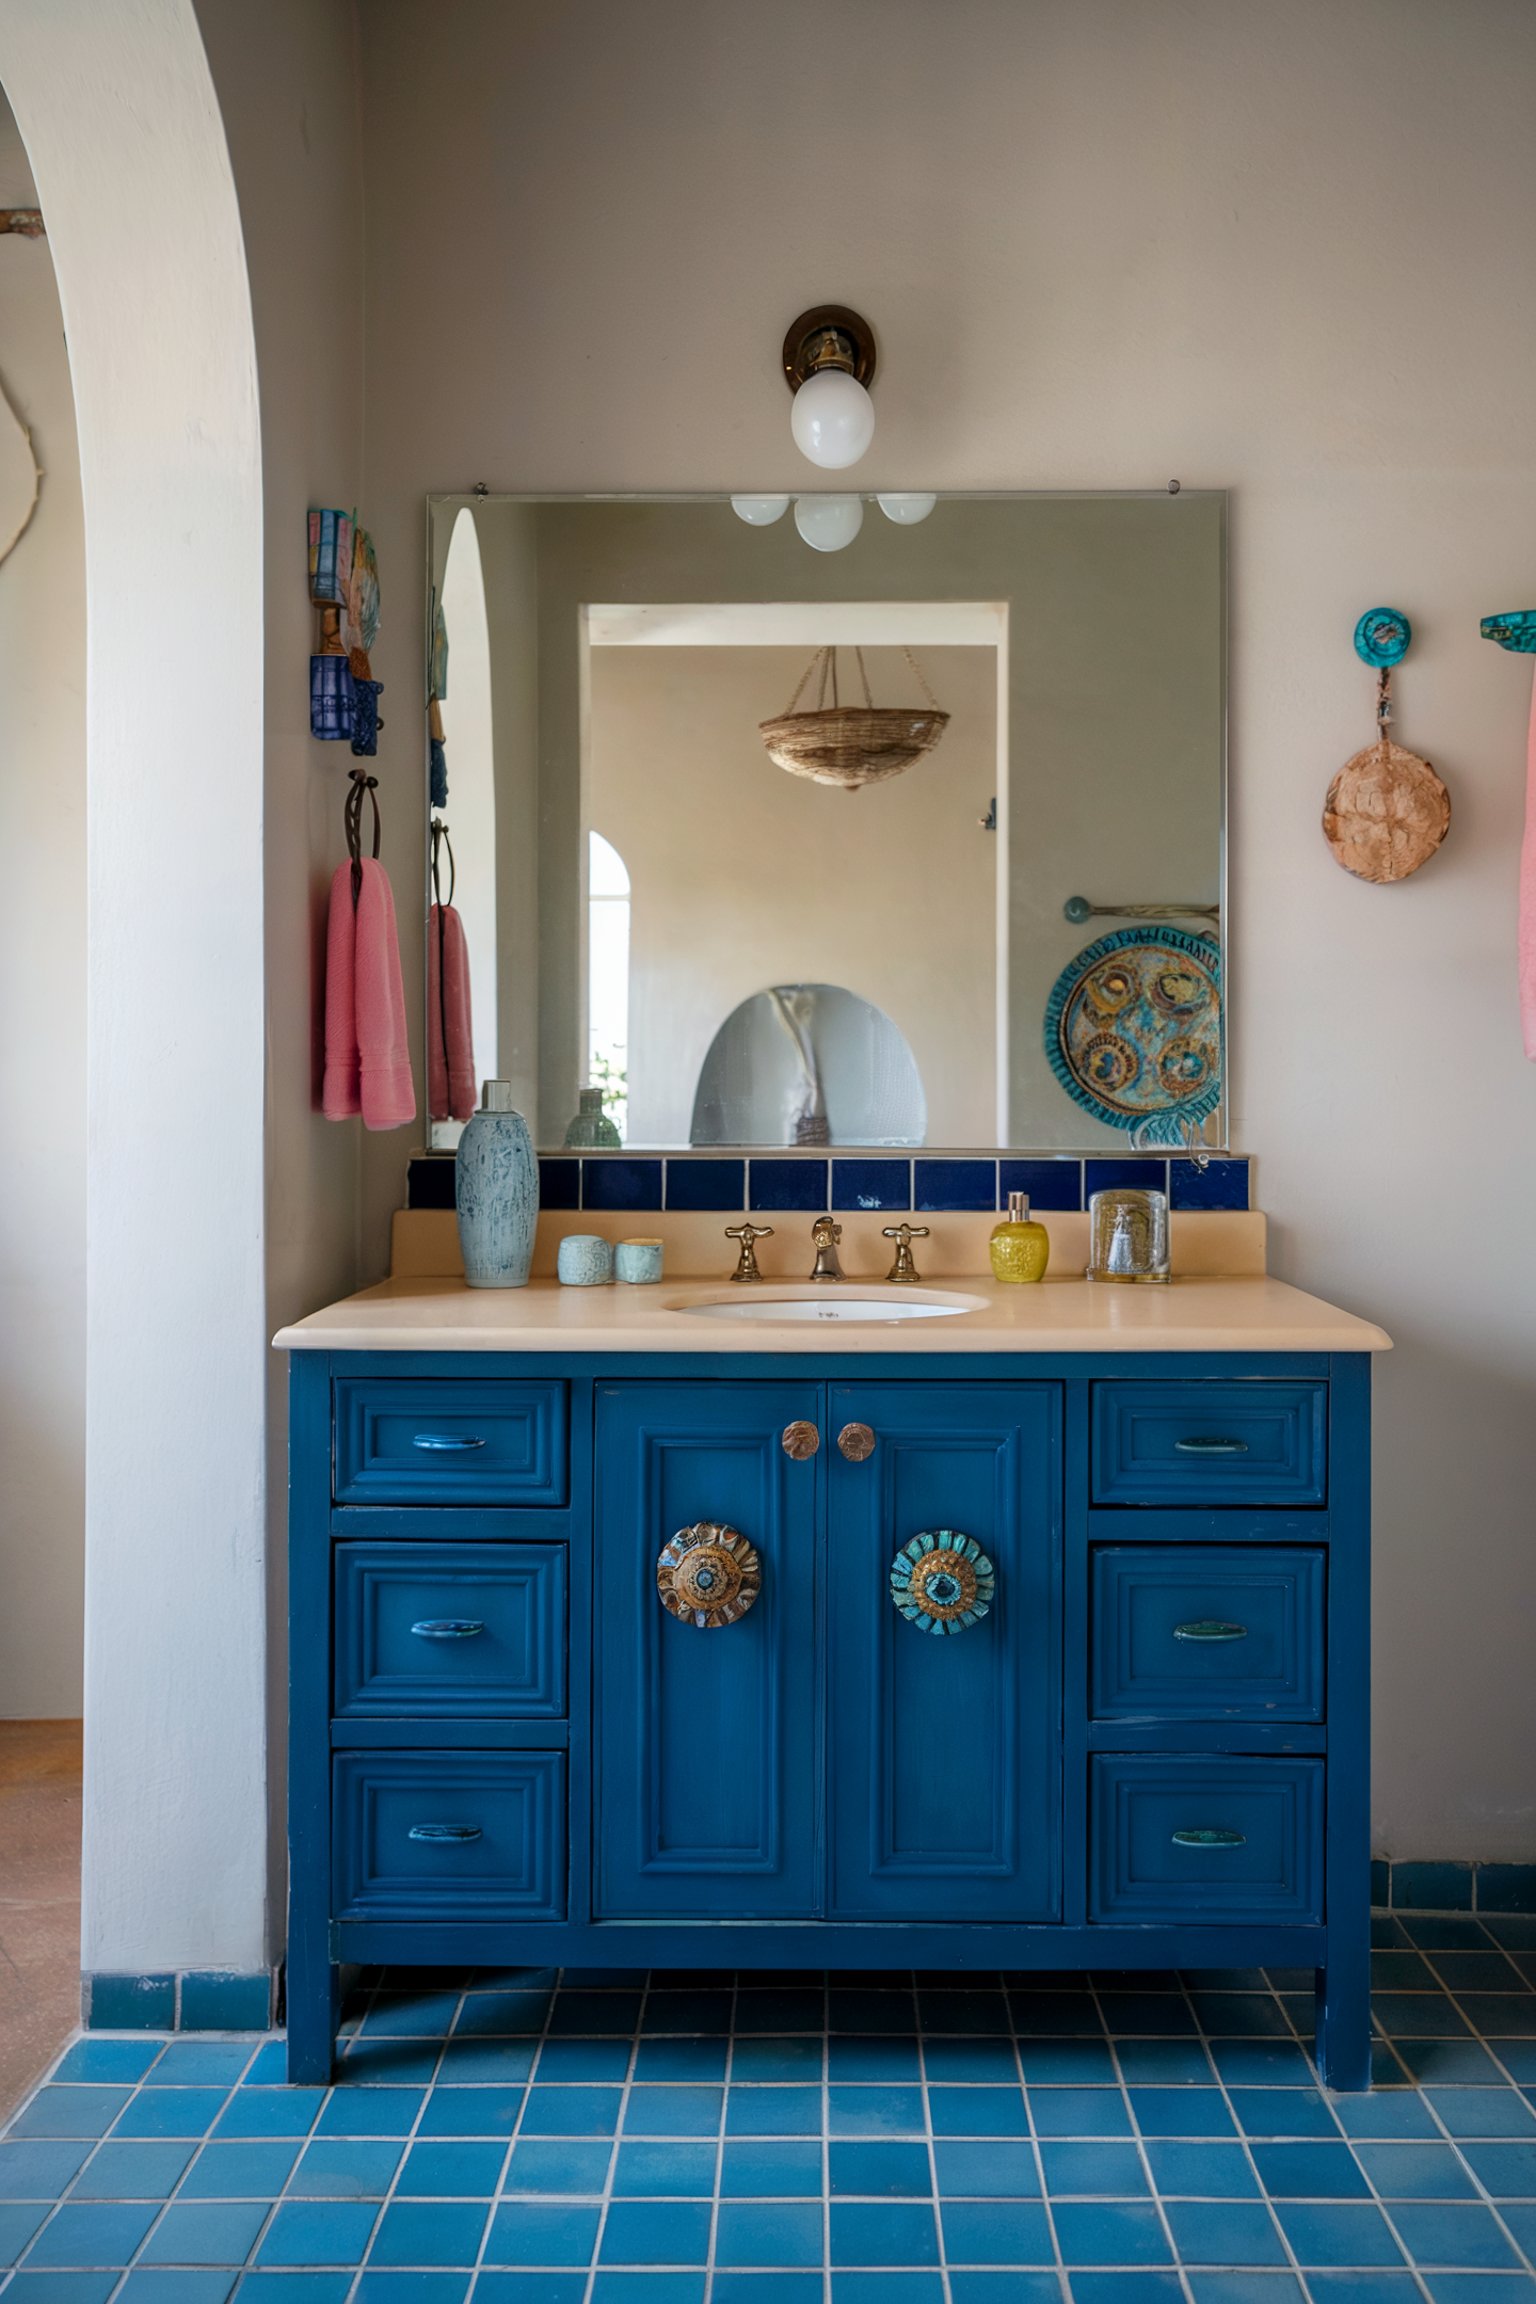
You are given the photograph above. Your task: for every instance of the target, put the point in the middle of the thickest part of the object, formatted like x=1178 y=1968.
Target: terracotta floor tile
x=39 y=1897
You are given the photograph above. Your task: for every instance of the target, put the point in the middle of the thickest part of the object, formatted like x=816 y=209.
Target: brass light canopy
x=829 y=336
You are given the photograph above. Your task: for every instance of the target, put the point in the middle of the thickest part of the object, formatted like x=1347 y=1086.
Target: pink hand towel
x=450 y=1033
x=367 y=1063
x=1527 y=935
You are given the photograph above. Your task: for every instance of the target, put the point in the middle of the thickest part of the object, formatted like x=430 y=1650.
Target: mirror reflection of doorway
x=804 y=1064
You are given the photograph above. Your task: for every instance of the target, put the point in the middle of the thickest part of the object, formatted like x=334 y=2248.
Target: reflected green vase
x=592 y=1130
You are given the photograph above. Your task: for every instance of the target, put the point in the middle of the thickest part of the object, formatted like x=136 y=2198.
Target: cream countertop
x=1192 y=1314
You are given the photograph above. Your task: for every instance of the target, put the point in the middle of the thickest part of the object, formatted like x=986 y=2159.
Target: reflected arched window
x=608 y=977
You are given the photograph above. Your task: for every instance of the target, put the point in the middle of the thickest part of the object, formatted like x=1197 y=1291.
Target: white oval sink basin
x=846 y=1304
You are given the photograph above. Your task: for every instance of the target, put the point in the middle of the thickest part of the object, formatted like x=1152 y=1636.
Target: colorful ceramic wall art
x=1133 y=1030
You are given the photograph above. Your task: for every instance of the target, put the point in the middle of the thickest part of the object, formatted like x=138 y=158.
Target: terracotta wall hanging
x=1387 y=811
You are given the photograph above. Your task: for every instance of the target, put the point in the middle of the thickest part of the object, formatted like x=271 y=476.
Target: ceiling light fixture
x=829 y=359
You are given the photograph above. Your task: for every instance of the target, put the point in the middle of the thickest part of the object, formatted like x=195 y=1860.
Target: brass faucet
x=904 y=1235
x=825 y=1235
x=748 y=1234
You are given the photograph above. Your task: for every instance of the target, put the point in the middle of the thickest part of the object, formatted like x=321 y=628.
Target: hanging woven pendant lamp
x=851 y=745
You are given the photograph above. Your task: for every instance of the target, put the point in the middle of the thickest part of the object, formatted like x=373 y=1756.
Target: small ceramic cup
x=584 y=1261
x=639 y=1260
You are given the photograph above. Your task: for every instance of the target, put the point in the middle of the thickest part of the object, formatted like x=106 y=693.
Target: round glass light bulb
x=829 y=522
x=832 y=418
x=759 y=511
x=906 y=511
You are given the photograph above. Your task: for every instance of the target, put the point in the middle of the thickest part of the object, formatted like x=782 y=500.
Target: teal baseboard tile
x=1452 y=1885
x=188 y=2000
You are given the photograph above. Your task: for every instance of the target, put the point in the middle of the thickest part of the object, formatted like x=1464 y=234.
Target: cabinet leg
x=313 y=2002
x=1344 y=2016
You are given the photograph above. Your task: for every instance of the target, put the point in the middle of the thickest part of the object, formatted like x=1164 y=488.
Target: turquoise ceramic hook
x=1382 y=636
x=1515 y=630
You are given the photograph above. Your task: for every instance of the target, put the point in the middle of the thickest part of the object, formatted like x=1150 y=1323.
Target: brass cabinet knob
x=708 y=1575
x=800 y=1440
x=857 y=1442
x=942 y=1581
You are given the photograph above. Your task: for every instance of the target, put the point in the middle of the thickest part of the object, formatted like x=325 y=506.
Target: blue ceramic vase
x=496 y=1192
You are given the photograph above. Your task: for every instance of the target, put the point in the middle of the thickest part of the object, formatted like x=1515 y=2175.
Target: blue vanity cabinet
x=612 y=1659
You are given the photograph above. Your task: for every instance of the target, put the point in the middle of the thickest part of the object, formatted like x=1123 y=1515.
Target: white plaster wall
x=42 y=970
x=1280 y=250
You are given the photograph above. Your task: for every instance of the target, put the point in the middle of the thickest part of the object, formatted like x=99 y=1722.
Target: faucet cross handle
x=748 y=1234
x=904 y=1235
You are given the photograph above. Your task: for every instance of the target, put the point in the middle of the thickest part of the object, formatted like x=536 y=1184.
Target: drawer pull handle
x=1208 y=1836
x=448 y=1628
x=1210 y=1628
x=446 y=1442
x=437 y=1833
x=1210 y=1447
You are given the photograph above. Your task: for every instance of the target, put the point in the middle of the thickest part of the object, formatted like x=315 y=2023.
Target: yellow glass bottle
x=1020 y=1248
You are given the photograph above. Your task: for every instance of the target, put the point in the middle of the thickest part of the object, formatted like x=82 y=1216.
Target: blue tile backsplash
x=877 y=1182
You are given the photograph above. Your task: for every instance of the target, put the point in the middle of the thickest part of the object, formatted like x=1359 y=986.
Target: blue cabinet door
x=706 y=1739
x=944 y=1747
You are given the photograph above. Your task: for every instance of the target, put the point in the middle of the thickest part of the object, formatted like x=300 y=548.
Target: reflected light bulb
x=829 y=522
x=760 y=511
x=832 y=418
x=906 y=511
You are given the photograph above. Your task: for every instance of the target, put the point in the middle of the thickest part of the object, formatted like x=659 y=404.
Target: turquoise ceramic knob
x=496 y=1192
x=1382 y=636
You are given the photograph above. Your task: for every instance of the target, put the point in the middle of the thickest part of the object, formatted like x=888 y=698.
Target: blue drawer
x=1205 y=1839
x=421 y=1836
x=1196 y=1442
x=413 y=1440
x=450 y=1631
x=1207 y=1632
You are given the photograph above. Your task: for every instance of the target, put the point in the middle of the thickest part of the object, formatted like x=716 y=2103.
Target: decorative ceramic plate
x=1133 y=1030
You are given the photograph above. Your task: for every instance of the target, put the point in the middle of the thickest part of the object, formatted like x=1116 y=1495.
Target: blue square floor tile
x=687 y=2171
x=41 y=2170
x=295 y=2287
x=862 y=2168
x=70 y=2112
x=205 y=2063
x=1364 y=2288
x=96 y=2233
x=206 y=2232
x=1423 y=2171
x=1309 y=2172
x=1230 y=2232
x=257 y=2171
x=100 y=2058
x=347 y=2168
x=774 y=2234
x=1396 y=2113
x=1085 y=2112
x=1008 y=2288
x=768 y=2288
x=1125 y=2287
x=759 y=2060
x=134 y=2171
x=997 y=2232
x=571 y=2112
x=1200 y=2170
x=543 y=2232
x=664 y=2111
x=871 y=2056
x=1005 y=2170
x=893 y=2111
x=901 y=2234
x=19 y=2219
x=592 y=2061
x=1181 y=2112
x=1246 y=2288
x=392 y=2287
x=1164 y=2063
x=268 y=2068
x=769 y=2168
x=318 y=2232
x=1111 y=2232
x=1104 y=2171
x=545 y=2165
x=975 y=2111
x=450 y=2169
x=430 y=2232
x=466 y=2112
x=264 y=2111
x=1061 y=2063
x=1483 y=2111
x=62 y=2287
x=1461 y=2236
x=886 y=2287
x=159 y=2284
x=1281 y=2112
x=641 y=2232
x=1324 y=2232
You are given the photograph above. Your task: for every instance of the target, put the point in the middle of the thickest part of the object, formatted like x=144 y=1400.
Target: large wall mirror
x=913 y=842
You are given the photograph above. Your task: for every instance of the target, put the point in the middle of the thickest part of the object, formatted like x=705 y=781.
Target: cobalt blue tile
x=1474 y=2287
x=503 y=2012
x=571 y=2111
x=1458 y=2235
x=559 y=1184
x=1221 y=1184
x=1053 y=2063
x=1295 y=2112
x=695 y=2012
x=1309 y=2172
x=545 y=2164
x=801 y=2009
x=766 y=2288
x=785 y=2168
x=655 y=2232
x=348 y=2168
x=1163 y=2063
x=134 y=2171
x=295 y=2287
x=1432 y=1887
x=1364 y=2288
x=773 y=2233
x=97 y=2232
x=478 y=2063
x=218 y=2000
x=971 y=2013
x=956 y=1184
x=429 y=2232
x=900 y=2233
x=156 y=2284
x=1057 y=2015
x=1506 y=1888
x=788 y=1184
x=1246 y=2288
x=1381 y=1881
x=258 y=2111
x=41 y=2170
x=617 y=1183
x=1051 y=1184
x=1239 y=2015
x=1012 y=2232
x=772 y=2111
x=1099 y=2170
x=669 y=2170
x=1505 y=2171
x=960 y=2059
x=605 y=2014
x=1224 y=2232
x=130 y=2003
x=610 y=2287
x=883 y=2170
x=407 y=2015
x=710 y=1185
x=872 y=1184
x=1125 y=2287
x=1140 y=2014
x=1426 y=2171
x=467 y=2112
x=543 y=2232
x=975 y=2112
x=1397 y=2113
x=1418 y=2015
x=887 y=2287
x=1326 y=2232
x=792 y=2059
x=388 y=2063
x=889 y=2111
x=383 y=2111
x=71 y=2111
x=240 y=2171
x=100 y=2058
x=882 y=2012
x=318 y=2232
x=1200 y=2170
x=1003 y=2170
x=206 y=2232
x=429 y=1181
x=664 y=2111
x=1125 y=2232
x=1087 y=2112
x=202 y=2063
x=19 y=2219
x=1181 y=2112
x=450 y=2170
x=1262 y=2064
x=1011 y=2288
x=62 y=2287
x=536 y=2288
x=1115 y=1175
x=872 y=2056
x=268 y=2068
x=590 y=2060
x=1520 y=2216
x=376 y=2287
x=1447 y=2063
x=177 y=2111
x=679 y=2059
